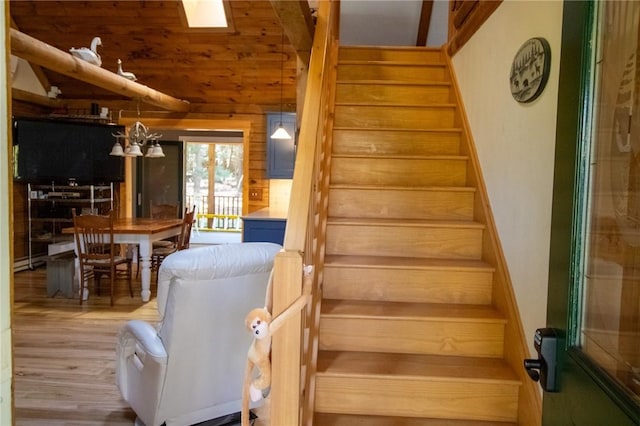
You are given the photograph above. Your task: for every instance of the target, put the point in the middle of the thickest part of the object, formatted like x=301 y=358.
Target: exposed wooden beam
x=297 y=23
x=425 y=21
x=47 y=56
x=32 y=98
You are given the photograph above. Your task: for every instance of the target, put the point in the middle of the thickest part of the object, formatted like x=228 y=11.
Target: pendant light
x=135 y=140
x=281 y=132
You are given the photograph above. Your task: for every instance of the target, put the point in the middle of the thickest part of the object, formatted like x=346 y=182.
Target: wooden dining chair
x=97 y=252
x=164 y=211
x=160 y=253
x=160 y=211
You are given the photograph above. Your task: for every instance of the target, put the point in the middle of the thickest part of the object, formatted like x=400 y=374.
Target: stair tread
x=375 y=47
x=397 y=104
x=403 y=157
x=401 y=129
x=330 y=419
x=432 y=105
x=392 y=104
x=413 y=366
x=388 y=62
x=405 y=262
x=451 y=312
x=397 y=83
x=403 y=188
x=405 y=222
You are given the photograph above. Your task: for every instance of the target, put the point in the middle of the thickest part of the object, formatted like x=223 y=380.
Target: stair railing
x=294 y=346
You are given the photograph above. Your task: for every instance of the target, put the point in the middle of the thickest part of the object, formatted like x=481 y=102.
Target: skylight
x=205 y=13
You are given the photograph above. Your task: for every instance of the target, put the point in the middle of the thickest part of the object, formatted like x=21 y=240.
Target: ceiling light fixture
x=281 y=132
x=136 y=138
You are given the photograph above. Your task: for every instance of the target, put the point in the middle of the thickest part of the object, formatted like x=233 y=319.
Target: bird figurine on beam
x=126 y=74
x=89 y=54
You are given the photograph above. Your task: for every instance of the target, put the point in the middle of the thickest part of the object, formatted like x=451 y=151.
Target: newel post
x=286 y=343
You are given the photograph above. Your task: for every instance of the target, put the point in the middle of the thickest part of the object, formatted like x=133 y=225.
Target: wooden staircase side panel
x=451 y=171
x=436 y=398
x=380 y=71
x=396 y=142
x=392 y=117
x=421 y=285
x=395 y=54
x=401 y=203
x=516 y=348
x=414 y=241
x=393 y=94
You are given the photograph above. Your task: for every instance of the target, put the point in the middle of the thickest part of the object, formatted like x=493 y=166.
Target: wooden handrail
x=295 y=344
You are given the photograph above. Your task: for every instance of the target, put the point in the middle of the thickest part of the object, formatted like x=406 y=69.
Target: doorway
x=594 y=285
x=160 y=180
x=237 y=132
x=214 y=182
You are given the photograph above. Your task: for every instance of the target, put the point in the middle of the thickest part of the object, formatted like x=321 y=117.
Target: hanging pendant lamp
x=281 y=132
x=135 y=140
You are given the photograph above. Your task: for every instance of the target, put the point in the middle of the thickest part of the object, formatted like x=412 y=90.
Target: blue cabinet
x=263 y=230
x=281 y=153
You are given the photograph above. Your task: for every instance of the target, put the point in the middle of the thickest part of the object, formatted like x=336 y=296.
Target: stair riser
x=383 y=142
x=396 y=55
x=406 y=285
x=398 y=172
x=392 y=72
x=404 y=241
x=446 y=399
x=401 y=204
x=393 y=94
x=393 y=117
x=416 y=336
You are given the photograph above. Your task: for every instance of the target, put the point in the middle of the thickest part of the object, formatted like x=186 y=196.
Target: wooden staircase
x=408 y=330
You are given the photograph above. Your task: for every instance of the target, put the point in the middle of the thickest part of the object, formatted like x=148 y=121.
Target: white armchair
x=190 y=367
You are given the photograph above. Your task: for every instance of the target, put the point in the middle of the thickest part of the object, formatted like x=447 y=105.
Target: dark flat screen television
x=47 y=150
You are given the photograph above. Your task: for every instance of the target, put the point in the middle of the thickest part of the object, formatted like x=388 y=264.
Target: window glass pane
x=610 y=327
x=214 y=184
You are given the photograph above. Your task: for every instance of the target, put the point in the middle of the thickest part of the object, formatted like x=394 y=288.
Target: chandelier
x=135 y=140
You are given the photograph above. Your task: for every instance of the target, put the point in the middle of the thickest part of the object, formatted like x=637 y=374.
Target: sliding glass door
x=160 y=180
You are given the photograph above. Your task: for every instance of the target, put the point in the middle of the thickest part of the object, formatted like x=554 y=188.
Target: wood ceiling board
x=149 y=37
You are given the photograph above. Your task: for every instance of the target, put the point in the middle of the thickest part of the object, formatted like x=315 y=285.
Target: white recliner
x=190 y=367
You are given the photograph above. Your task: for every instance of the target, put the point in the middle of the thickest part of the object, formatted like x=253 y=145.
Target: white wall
x=390 y=23
x=515 y=143
x=439 y=25
x=24 y=78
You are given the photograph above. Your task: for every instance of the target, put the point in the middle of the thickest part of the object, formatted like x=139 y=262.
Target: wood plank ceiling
x=217 y=71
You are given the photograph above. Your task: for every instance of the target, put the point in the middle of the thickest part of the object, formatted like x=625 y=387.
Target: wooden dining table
x=143 y=232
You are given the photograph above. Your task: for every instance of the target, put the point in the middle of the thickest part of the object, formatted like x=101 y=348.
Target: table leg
x=145 y=272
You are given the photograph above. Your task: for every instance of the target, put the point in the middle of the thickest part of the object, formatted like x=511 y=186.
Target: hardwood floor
x=64 y=354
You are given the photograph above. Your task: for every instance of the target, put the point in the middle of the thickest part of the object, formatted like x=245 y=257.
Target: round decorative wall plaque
x=530 y=70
